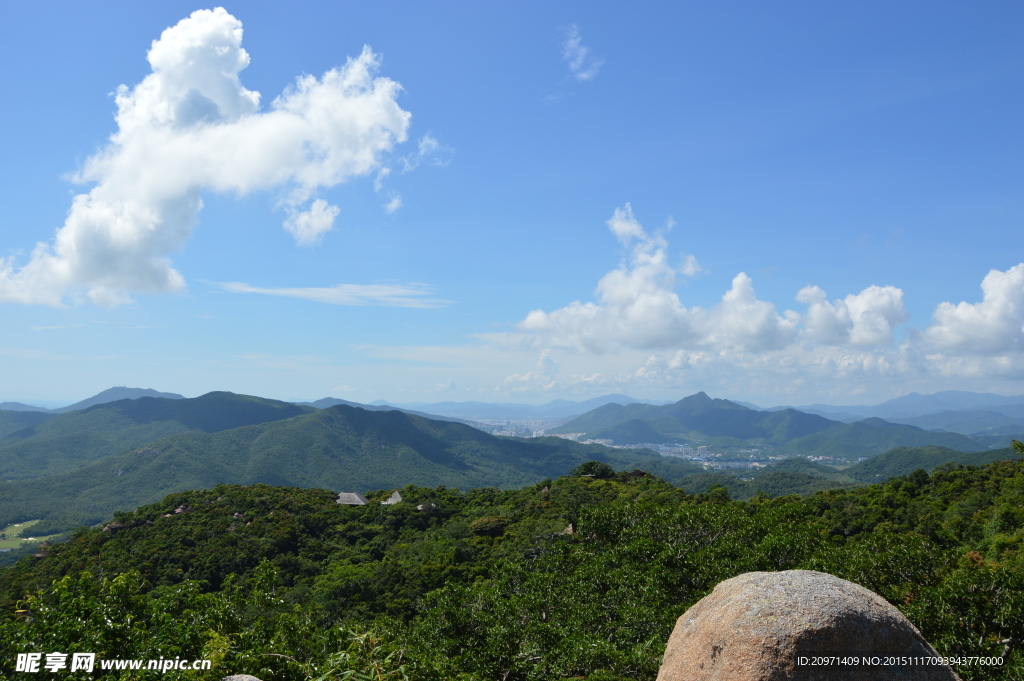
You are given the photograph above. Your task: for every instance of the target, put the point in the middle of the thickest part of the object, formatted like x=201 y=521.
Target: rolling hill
x=700 y=415
x=724 y=423
x=873 y=436
x=12 y=421
x=906 y=460
x=334 y=401
x=61 y=443
x=116 y=394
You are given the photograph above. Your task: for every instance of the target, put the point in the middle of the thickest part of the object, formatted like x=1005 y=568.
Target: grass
x=9 y=540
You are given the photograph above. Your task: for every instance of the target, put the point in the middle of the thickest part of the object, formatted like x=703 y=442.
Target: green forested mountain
x=874 y=436
x=334 y=401
x=340 y=448
x=700 y=414
x=632 y=432
x=723 y=423
x=577 y=577
x=11 y=421
x=58 y=444
x=905 y=460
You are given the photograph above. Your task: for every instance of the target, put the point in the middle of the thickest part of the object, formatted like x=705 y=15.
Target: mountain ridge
x=62 y=442
x=699 y=417
x=341 y=448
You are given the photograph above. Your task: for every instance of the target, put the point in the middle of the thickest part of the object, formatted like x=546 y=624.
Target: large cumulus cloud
x=637 y=306
x=637 y=313
x=191 y=125
x=992 y=326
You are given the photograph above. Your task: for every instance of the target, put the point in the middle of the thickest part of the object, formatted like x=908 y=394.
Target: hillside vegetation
x=11 y=421
x=575 y=577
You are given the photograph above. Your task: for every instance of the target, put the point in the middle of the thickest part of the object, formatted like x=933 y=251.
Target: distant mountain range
x=914 y=405
x=65 y=442
x=699 y=419
x=108 y=395
x=78 y=468
x=951 y=410
x=328 y=402
x=556 y=409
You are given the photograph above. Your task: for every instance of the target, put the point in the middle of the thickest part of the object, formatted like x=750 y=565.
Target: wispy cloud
x=429 y=151
x=394 y=204
x=50 y=328
x=582 y=64
x=387 y=295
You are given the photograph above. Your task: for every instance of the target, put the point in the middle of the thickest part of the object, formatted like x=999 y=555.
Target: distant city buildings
x=702 y=451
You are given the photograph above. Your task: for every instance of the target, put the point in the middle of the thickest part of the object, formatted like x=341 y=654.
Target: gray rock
x=240 y=677
x=758 y=627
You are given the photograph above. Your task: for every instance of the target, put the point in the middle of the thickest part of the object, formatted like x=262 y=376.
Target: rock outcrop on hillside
x=771 y=626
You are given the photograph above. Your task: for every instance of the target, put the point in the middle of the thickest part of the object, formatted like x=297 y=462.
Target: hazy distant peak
x=118 y=393
x=18 y=406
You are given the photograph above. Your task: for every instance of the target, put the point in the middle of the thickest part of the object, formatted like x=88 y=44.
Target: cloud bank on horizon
x=637 y=309
x=191 y=125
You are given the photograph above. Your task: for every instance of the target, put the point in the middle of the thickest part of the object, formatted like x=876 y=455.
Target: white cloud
x=864 y=319
x=446 y=387
x=582 y=64
x=743 y=343
x=191 y=125
x=389 y=295
x=308 y=227
x=690 y=266
x=993 y=326
x=429 y=151
x=638 y=308
x=393 y=205
x=543 y=376
x=840 y=351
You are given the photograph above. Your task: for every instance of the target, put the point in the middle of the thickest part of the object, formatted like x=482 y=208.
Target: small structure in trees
x=352 y=499
x=393 y=499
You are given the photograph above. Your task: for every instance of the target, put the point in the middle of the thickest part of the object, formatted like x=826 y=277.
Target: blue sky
x=775 y=202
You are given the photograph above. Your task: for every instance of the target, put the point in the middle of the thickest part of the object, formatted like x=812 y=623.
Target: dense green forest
x=578 y=577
